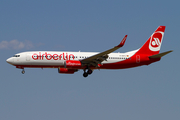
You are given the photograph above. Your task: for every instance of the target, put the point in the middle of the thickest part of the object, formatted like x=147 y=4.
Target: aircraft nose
x=10 y=60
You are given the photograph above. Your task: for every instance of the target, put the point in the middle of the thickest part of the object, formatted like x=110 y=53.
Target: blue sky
x=143 y=93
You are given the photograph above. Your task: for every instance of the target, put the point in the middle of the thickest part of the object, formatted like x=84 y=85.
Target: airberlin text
x=47 y=56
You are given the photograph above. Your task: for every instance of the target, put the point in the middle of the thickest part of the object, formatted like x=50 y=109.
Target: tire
x=23 y=72
x=89 y=71
x=85 y=74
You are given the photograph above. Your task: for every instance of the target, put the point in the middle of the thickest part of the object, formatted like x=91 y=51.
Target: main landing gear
x=89 y=71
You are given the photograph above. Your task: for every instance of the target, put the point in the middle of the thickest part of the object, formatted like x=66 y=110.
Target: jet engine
x=66 y=71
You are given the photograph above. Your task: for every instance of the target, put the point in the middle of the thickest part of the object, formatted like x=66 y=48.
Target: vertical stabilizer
x=153 y=44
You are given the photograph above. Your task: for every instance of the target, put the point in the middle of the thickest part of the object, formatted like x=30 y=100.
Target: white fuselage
x=57 y=58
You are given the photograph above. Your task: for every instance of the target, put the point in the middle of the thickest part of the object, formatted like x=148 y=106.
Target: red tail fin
x=153 y=44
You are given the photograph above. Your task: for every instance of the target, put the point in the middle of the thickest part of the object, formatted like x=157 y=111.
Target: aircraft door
x=28 y=57
x=137 y=58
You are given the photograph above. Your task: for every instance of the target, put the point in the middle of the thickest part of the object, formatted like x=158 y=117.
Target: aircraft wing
x=100 y=57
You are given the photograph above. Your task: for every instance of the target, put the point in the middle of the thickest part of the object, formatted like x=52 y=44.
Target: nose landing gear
x=23 y=71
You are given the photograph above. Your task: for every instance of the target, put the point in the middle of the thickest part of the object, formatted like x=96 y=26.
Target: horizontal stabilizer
x=160 y=55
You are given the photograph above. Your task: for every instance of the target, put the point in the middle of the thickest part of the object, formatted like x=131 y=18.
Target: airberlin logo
x=155 y=41
x=73 y=63
x=47 y=56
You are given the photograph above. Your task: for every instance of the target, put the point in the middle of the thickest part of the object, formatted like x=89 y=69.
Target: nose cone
x=10 y=60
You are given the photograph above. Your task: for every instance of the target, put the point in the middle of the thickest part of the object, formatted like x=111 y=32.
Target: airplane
x=71 y=62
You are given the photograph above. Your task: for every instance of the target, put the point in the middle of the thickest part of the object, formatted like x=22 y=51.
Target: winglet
x=122 y=42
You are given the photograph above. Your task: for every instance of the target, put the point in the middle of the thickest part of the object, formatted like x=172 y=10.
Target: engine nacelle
x=72 y=64
x=66 y=71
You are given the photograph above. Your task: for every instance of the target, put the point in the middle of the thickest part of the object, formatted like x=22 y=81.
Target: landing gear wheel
x=23 y=72
x=85 y=74
x=89 y=71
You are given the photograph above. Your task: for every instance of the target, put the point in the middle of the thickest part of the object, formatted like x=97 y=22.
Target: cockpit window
x=16 y=56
